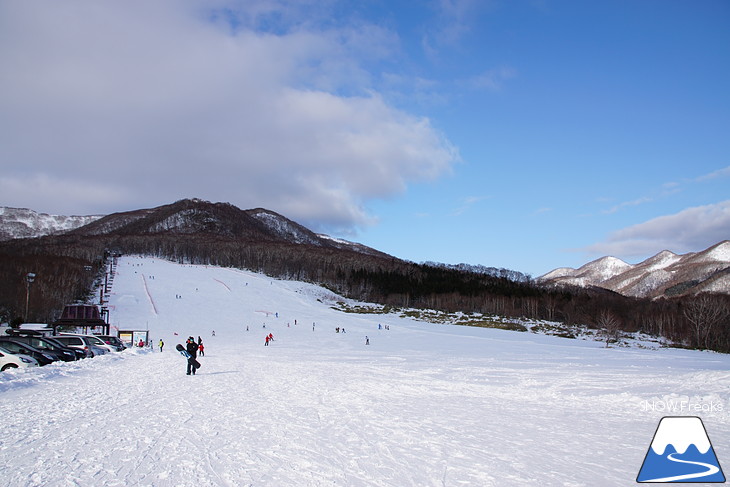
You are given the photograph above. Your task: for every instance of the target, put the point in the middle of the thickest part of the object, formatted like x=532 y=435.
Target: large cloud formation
x=108 y=106
x=692 y=229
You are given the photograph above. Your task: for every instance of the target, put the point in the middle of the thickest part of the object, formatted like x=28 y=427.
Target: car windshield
x=17 y=348
x=41 y=345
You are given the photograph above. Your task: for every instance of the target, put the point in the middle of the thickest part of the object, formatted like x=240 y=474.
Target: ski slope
x=422 y=405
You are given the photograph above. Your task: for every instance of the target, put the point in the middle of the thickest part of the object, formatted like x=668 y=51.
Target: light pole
x=29 y=278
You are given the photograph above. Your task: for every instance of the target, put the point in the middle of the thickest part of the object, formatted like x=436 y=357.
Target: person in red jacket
x=201 y=349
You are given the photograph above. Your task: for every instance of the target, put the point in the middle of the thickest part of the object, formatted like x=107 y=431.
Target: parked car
x=98 y=342
x=113 y=341
x=9 y=360
x=15 y=346
x=48 y=345
x=95 y=341
x=80 y=343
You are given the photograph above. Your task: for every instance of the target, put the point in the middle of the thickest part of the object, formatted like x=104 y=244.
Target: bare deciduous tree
x=703 y=314
x=610 y=326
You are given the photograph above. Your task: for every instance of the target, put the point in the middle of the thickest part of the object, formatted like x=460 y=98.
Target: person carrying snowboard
x=192 y=348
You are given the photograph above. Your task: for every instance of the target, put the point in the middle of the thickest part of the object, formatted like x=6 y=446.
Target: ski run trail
x=422 y=405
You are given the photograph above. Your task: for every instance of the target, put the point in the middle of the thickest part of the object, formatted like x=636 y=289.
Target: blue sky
x=522 y=134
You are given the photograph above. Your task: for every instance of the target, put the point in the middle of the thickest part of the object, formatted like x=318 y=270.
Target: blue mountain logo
x=681 y=452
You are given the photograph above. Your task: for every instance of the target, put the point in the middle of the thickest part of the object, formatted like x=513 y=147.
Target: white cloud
x=493 y=79
x=467 y=203
x=143 y=103
x=690 y=230
x=627 y=204
x=720 y=173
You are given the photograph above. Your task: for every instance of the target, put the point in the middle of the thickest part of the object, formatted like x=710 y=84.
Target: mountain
x=665 y=274
x=25 y=223
x=77 y=265
x=194 y=231
x=187 y=216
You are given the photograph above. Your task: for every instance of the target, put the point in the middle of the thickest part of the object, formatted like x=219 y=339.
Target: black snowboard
x=185 y=353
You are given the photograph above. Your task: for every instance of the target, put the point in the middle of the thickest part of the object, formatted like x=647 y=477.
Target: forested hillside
x=67 y=265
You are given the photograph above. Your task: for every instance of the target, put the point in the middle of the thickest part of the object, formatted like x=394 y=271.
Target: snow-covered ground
x=422 y=405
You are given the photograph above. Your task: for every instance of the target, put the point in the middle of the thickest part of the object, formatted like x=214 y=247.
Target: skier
x=367 y=341
x=266 y=342
x=271 y=337
x=162 y=344
x=192 y=348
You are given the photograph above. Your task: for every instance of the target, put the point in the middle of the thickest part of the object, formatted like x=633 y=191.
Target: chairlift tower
x=29 y=278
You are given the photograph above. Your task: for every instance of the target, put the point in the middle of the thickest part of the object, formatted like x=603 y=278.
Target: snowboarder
x=266 y=342
x=162 y=344
x=367 y=341
x=201 y=349
x=192 y=348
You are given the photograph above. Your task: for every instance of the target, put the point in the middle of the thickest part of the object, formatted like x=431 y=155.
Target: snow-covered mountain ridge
x=186 y=216
x=664 y=274
x=25 y=223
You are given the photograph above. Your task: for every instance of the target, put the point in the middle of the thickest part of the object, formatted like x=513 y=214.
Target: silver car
x=82 y=343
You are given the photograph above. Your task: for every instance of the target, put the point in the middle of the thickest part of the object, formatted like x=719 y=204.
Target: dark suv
x=50 y=346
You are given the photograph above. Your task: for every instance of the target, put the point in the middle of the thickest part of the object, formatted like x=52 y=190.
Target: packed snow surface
x=421 y=405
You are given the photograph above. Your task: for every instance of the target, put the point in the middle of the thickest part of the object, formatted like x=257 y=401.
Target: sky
x=525 y=134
